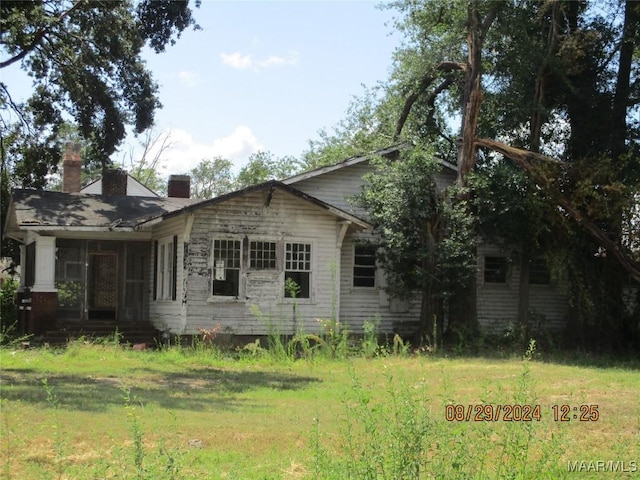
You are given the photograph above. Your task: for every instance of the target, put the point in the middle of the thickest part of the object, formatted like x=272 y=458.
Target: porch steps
x=131 y=333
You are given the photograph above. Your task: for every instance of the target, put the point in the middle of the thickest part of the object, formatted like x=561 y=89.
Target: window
x=262 y=255
x=495 y=269
x=166 y=257
x=539 y=272
x=72 y=270
x=364 y=266
x=226 y=268
x=30 y=265
x=297 y=268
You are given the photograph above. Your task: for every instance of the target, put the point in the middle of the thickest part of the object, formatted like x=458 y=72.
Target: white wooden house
x=186 y=265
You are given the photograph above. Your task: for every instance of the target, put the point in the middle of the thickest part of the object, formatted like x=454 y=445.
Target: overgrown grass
x=105 y=411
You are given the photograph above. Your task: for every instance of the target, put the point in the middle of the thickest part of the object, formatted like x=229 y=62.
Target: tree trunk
x=621 y=98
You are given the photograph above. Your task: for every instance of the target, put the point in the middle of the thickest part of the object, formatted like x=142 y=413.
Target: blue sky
x=267 y=75
x=260 y=75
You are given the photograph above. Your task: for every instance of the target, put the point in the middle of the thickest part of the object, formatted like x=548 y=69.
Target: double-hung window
x=495 y=269
x=364 y=266
x=166 y=259
x=297 y=268
x=226 y=268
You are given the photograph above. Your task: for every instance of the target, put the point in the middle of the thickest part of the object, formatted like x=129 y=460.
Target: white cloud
x=237 y=60
x=275 y=60
x=188 y=78
x=240 y=61
x=186 y=152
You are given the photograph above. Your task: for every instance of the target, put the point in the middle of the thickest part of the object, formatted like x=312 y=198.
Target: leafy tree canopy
x=85 y=61
x=263 y=166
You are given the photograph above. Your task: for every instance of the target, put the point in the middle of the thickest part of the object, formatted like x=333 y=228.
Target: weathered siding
x=260 y=216
x=361 y=304
x=166 y=313
x=497 y=303
x=340 y=186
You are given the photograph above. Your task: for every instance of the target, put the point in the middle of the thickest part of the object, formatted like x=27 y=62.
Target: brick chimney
x=71 y=168
x=114 y=182
x=179 y=186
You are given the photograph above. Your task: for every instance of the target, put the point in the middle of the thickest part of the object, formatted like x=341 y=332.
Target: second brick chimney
x=114 y=182
x=71 y=168
x=179 y=186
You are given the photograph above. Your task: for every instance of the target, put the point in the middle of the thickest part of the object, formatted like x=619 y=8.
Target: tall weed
x=370 y=334
x=395 y=435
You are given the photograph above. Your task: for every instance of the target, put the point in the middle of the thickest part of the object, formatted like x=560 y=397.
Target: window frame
x=272 y=255
x=373 y=267
x=310 y=271
x=166 y=269
x=240 y=269
x=504 y=270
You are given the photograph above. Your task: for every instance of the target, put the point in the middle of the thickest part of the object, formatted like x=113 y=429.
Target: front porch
x=85 y=287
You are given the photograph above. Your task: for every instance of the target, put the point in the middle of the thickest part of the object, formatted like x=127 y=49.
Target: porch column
x=44 y=298
x=341 y=232
x=45 y=265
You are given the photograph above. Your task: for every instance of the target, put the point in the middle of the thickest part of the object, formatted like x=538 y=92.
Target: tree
x=211 y=177
x=263 y=166
x=565 y=113
x=426 y=239
x=583 y=63
x=146 y=167
x=85 y=61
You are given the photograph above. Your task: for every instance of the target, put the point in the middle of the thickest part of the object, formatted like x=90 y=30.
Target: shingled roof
x=44 y=210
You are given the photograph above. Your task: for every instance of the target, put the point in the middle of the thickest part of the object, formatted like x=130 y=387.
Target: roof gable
x=389 y=152
x=135 y=188
x=269 y=186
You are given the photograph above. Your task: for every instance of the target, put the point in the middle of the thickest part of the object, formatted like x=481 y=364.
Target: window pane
x=298 y=268
x=226 y=268
x=262 y=255
x=298 y=257
x=301 y=280
x=364 y=266
x=228 y=250
x=495 y=269
x=229 y=286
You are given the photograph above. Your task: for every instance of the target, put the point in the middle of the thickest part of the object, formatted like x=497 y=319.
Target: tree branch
x=38 y=37
x=525 y=159
x=425 y=83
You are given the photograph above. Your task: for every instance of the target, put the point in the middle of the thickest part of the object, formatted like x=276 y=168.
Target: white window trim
x=376 y=271
x=312 y=273
x=165 y=274
x=241 y=275
x=279 y=254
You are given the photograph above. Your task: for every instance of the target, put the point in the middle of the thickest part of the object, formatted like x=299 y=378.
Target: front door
x=103 y=286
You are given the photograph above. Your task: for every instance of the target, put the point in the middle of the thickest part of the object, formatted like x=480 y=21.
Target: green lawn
x=101 y=411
